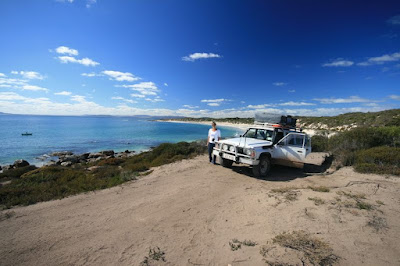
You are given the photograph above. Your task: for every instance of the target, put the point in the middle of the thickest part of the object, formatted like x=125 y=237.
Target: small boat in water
x=26 y=134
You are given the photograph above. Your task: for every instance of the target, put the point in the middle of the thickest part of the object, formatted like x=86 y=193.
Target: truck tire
x=226 y=163
x=262 y=169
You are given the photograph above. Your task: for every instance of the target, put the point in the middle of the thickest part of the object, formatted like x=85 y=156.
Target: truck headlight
x=225 y=147
x=232 y=148
x=248 y=151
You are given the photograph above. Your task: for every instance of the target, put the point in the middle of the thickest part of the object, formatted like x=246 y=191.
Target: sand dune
x=191 y=210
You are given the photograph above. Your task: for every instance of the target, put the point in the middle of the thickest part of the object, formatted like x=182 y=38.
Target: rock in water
x=108 y=153
x=66 y=163
x=20 y=163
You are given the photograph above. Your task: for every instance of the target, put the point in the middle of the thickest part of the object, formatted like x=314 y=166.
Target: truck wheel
x=262 y=169
x=226 y=162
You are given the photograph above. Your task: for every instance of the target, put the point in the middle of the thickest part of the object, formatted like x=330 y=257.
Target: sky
x=199 y=58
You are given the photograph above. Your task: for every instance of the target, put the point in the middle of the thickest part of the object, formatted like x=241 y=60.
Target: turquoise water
x=89 y=134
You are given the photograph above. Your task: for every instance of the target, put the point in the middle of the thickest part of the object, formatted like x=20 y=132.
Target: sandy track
x=192 y=209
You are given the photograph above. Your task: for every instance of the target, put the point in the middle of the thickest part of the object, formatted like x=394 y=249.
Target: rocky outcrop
x=61 y=153
x=107 y=153
x=69 y=159
x=20 y=163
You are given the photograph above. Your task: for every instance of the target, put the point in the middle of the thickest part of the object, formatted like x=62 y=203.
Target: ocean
x=80 y=134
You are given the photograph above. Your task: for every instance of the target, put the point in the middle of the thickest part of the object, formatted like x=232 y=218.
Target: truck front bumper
x=236 y=159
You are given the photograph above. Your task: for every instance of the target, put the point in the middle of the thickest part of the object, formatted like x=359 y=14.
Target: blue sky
x=199 y=58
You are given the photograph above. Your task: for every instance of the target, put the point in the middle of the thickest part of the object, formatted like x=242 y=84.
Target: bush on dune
x=344 y=146
x=368 y=149
x=16 y=172
x=380 y=160
x=319 y=143
x=163 y=154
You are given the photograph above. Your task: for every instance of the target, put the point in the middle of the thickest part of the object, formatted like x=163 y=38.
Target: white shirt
x=213 y=135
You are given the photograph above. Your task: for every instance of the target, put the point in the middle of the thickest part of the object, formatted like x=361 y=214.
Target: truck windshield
x=257 y=133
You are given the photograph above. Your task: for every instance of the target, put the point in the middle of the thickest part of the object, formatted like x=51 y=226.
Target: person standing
x=214 y=135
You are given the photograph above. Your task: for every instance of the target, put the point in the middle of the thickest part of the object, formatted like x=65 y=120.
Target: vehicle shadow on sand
x=283 y=173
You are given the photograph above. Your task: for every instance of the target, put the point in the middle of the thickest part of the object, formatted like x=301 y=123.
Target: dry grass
x=6 y=215
x=155 y=254
x=317 y=201
x=289 y=193
x=378 y=223
x=319 y=189
x=315 y=251
x=351 y=195
x=236 y=244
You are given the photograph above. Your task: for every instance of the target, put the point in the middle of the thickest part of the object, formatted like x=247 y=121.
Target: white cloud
x=351 y=99
x=63 y=1
x=2 y=75
x=155 y=100
x=145 y=88
x=7 y=96
x=66 y=50
x=123 y=99
x=379 y=60
x=84 y=61
x=33 y=88
x=12 y=102
x=395 y=20
x=339 y=62
x=10 y=82
x=258 y=106
x=291 y=103
x=165 y=84
x=64 y=93
x=213 y=104
x=28 y=74
x=214 y=101
x=92 y=74
x=279 y=84
x=120 y=76
x=89 y=3
x=190 y=106
x=196 y=56
x=291 y=91
x=395 y=97
x=136 y=95
x=78 y=98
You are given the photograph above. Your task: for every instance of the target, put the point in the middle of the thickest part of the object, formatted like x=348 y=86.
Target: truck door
x=291 y=150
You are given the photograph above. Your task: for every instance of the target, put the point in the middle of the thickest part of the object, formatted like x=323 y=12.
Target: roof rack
x=283 y=126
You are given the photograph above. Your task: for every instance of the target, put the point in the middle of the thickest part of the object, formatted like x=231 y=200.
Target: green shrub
x=319 y=143
x=380 y=160
x=16 y=172
x=111 y=161
x=344 y=146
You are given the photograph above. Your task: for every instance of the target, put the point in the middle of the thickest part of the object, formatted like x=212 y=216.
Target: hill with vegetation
x=334 y=123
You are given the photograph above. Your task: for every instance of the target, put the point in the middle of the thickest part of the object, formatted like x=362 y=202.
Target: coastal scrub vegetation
x=369 y=150
x=30 y=185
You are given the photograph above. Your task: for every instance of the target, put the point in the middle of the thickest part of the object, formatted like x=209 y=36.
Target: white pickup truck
x=265 y=144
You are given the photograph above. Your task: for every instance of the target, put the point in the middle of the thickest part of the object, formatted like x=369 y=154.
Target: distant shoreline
x=241 y=126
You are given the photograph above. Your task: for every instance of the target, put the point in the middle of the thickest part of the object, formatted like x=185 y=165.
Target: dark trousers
x=210 y=151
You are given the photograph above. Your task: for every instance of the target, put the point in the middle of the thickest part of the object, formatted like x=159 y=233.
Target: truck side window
x=295 y=140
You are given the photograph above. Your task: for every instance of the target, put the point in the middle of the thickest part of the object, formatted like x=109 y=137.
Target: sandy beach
x=193 y=210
